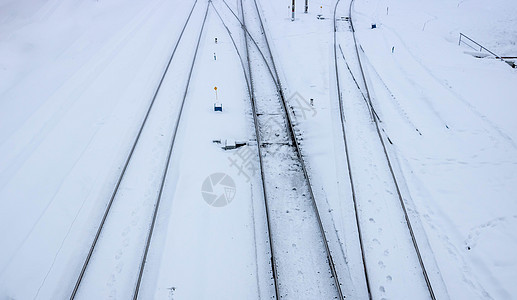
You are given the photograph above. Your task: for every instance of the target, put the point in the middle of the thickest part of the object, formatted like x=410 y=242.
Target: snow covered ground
x=76 y=78
x=461 y=171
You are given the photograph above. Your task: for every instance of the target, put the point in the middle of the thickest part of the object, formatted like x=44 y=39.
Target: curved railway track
x=376 y=120
x=300 y=157
x=121 y=176
x=268 y=60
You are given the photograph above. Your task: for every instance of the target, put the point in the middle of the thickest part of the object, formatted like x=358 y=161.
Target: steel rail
x=128 y=159
x=388 y=160
x=169 y=155
x=347 y=155
x=234 y=46
x=357 y=85
x=253 y=40
x=251 y=93
x=262 y=175
x=300 y=158
x=395 y=181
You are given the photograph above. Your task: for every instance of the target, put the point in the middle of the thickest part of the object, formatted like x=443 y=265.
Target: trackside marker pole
x=292 y=11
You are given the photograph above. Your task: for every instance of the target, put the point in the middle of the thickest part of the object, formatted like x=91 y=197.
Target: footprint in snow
x=381 y=264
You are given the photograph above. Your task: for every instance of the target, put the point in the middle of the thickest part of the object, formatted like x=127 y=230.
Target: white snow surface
x=77 y=77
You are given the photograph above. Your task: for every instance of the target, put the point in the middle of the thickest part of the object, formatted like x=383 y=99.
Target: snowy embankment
x=461 y=171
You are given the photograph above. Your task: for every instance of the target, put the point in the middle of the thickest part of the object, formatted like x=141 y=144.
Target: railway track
x=371 y=267
x=301 y=260
x=134 y=235
x=292 y=241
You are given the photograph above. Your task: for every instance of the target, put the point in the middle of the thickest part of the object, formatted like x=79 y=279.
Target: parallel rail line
x=376 y=121
x=169 y=155
x=276 y=79
x=129 y=157
x=261 y=163
x=350 y=175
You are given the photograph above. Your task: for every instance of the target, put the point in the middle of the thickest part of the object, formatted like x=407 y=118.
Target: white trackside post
x=292 y=11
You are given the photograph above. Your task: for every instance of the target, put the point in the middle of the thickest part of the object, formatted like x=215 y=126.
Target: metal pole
x=306 y=6
x=292 y=11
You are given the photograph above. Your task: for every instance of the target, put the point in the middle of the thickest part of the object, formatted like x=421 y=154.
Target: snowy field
x=76 y=81
x=462 y=171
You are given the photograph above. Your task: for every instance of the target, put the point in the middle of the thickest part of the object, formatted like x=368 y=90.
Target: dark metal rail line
x=234 y=46
x=395 y=181
x=128 y=159
x=246 y=32
x=371 y=109
x=165 y=171
x=259 y=148
x=262 y=176
x=251 y=93
x=350 y=175
x=292 y=134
